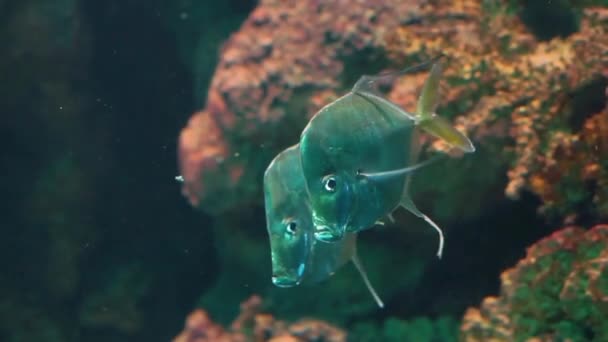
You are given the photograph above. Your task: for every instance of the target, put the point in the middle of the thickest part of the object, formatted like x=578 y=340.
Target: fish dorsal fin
x=408 y=204
x=366 y=87
x=367 y=83
x=433 y=123
x=390 y=174
x=368 y=284
x=429 y=95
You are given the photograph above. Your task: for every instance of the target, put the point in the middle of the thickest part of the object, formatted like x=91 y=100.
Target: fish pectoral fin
x=443 y=129
x=359 y=266
x=408 y=204
x=385 y=175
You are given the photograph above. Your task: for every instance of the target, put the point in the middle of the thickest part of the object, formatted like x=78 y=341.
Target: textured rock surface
x=273 y=74
x=251 y=325
x=515 y=95
x=559 y=291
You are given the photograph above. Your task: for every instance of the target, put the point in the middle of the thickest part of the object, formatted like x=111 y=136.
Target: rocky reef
x=532 y=98
x=518 y=96
x=536 y=104
x=251 y=325
x=558 y=292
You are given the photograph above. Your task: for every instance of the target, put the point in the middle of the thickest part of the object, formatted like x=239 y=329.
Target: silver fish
x=358 y=154
x=297 y=257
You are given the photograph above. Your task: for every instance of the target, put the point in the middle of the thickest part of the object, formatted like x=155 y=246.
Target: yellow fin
x=429 y=96
x=443 y=129
x=431 y=122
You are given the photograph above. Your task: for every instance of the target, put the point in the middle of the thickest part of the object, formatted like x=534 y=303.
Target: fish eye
x=330 y=183
x=291 y=227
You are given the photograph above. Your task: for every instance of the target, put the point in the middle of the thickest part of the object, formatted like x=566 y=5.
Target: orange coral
x=259 y=97
x=505 y=83
x=290 y=58
x=251 y=325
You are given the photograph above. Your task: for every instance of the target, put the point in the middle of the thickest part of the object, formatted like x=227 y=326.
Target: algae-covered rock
x=514 y=92
x=557 y=292
x=421 y=329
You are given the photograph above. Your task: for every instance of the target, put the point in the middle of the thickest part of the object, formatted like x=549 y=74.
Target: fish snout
x=285 y=281
x=328 y=235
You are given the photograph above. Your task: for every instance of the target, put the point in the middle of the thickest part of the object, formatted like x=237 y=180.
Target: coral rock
x=558 y=291
x=521 y=90
x=251 y=325
x=286 y=53
x=504 y=86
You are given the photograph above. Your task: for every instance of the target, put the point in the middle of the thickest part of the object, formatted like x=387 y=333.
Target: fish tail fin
x=408 y=204
x=430 y=121
x=368 y=284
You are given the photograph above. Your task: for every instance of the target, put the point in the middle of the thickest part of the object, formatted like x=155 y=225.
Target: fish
x=297 y=257
x=358 y=154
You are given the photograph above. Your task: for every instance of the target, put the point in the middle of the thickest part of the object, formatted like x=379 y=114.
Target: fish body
x=297 y=257
x=347 y=137
x=358 y=153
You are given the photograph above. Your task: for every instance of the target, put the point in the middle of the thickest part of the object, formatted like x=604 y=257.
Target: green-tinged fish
x=357 y=154
x=297 y=257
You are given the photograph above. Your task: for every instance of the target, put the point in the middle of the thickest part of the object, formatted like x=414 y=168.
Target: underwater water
x=137 y=135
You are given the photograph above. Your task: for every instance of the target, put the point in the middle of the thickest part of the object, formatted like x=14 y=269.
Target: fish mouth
x=282 y=281
x=325 y=234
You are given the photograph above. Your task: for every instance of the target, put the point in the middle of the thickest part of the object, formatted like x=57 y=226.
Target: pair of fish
x=351 y=169
x=297 y=257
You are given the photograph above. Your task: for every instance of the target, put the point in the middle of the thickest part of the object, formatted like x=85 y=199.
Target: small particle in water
x=236 y=154
x=179 y=178
x=183 y=16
